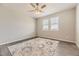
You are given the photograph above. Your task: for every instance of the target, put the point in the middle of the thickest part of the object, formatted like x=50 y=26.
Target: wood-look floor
x=63 y=49
x=67 y=49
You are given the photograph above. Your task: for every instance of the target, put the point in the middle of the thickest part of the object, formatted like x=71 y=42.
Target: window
x=54 y=23
x=51 y=23
x=45 y=24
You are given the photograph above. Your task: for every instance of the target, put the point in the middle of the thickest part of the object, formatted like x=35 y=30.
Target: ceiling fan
x=37 y=8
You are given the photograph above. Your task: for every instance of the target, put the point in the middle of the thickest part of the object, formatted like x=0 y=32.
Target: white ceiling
x=50 y=8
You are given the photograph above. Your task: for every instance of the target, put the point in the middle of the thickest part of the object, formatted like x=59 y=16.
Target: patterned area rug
x=34 y=47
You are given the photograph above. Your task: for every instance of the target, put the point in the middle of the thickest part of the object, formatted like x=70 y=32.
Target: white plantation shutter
x=54 y=23
x=45 y=24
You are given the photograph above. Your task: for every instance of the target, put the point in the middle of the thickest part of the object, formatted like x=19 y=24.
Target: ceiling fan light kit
x=37 y=8
x=37 y=12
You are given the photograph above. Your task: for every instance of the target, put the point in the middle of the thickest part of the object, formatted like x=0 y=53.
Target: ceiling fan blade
x=32 y=5
x=37 y=4
x=40 y=11
x=43 y=6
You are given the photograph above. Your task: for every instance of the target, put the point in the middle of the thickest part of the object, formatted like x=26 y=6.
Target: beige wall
x=66 y=26
x=77 y=25
x=15 y=25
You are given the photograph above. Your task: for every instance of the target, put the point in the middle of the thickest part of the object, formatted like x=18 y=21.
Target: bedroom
x=31 y=27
